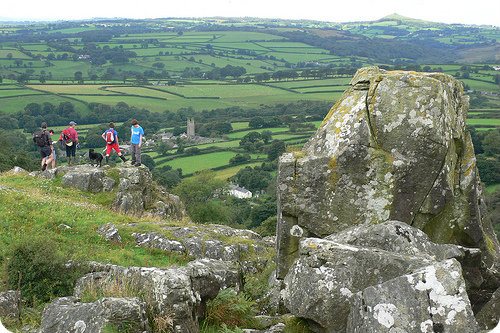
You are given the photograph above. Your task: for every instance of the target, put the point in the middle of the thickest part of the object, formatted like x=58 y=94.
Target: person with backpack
x=69 y=138
x=137 y=134
x=42 y=139
x=111 y=138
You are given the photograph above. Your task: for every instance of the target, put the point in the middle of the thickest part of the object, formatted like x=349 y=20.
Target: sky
x=446 y=11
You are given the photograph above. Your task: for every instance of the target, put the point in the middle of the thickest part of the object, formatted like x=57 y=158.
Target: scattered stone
x=64 y=226
x=278 y=328
x=157 y=241
x=67 y=314
x=432 y=299
x=18 y=170
x=109 y=232
x=9 y=304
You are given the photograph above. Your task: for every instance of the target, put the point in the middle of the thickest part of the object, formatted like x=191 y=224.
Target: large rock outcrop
x=177 y=293
x=394 y=147
x=352 y=272
x=134 y=190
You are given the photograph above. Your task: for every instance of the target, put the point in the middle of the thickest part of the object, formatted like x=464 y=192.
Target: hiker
x=44 y=142
x=111 y=138
x=137 y=133
x=69 y=138
x=54 y=154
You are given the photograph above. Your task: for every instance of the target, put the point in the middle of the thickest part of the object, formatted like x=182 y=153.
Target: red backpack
x=110 y=137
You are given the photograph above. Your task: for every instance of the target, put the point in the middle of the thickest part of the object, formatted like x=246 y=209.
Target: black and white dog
x=95 y=158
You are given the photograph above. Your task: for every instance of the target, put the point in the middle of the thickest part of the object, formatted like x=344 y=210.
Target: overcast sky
x=447 y=11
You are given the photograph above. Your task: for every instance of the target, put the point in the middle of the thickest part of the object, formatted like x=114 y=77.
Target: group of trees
x=487 y=150
x=207 y=201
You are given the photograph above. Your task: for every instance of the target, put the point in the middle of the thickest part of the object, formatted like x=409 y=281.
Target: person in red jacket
x=69 y=138
x=111 y=138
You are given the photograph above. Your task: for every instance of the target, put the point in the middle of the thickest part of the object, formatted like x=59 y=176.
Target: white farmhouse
x=239 y=192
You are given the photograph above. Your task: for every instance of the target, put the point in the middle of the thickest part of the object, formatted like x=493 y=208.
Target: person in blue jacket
x=136 y=138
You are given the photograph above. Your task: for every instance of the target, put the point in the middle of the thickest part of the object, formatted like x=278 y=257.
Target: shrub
x=231 y=309
x=40 y=271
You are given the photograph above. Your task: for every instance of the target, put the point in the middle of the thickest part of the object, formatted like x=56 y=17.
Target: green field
x=192 y=164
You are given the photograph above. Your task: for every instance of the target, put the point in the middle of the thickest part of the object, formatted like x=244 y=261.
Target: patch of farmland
x=299 y=57
x=16 y=104
x=242 y=46
x=285 y=44
x=16 y=92
x=480 y=85
x=227 y=173
x=141 y=91
x=67 y=68
x=244 y=36
x=251 y=66
x=309 y=90
x=484 y=122
x=239 y=125
x=239 y=135
x=223 y=91
x=298 y=84
x=73 y=89
x=192 y=164
x=172 y=63
x=16 y=54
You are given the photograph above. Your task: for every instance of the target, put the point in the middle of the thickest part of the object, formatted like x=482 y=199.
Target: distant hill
x=405 y=19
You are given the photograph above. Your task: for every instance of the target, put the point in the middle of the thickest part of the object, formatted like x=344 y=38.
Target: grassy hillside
x=34 y=208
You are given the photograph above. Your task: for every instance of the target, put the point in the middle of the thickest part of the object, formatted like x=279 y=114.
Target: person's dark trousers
x=71 y=152
x=135 y=151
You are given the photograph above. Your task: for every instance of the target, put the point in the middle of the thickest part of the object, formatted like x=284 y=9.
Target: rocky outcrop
x=179 y=293
x=69 y=315
x=389 y=262
x=86 y=178
x=109 y=232
x=394 y=147
x=9 y=304
x=134 y=190
x=432 y=299
x=211 y=241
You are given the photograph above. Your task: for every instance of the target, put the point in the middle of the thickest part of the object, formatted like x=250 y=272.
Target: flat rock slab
x=429 y=300
x=68 y=314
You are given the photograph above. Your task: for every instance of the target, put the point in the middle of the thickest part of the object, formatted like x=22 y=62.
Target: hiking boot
x=137 y=164
x=44 y=166
x=123 y=159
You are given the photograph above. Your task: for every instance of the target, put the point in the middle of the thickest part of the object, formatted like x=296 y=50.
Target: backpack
x=110 y=137
x=67 y=139
x=40 y=138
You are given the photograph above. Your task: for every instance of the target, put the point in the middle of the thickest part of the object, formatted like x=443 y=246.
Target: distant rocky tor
x=382 y=225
